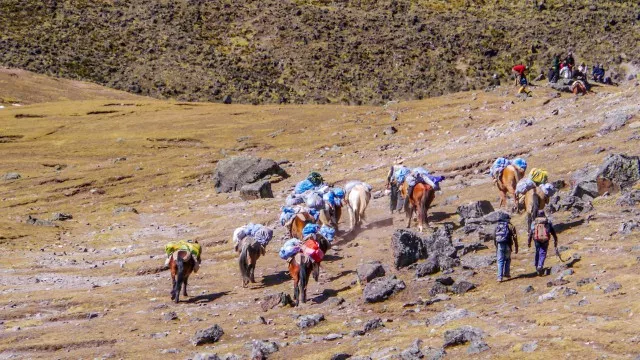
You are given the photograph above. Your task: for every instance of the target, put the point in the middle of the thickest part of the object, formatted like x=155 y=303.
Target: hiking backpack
x=541 y=230
x=503 y=234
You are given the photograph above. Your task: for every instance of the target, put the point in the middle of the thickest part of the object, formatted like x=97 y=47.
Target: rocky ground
x=134 y=174
x=311 y=51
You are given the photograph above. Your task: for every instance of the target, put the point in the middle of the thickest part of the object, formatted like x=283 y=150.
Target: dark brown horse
x=182 y=264
x=420 y=201
x=507 y=183
x=301 y=266
x=250 y=251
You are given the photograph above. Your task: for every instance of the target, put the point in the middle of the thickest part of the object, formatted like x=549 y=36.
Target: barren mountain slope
x=310 y=51
x=91 y=286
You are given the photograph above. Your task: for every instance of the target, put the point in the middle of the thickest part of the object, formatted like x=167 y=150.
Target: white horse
x=358 y=198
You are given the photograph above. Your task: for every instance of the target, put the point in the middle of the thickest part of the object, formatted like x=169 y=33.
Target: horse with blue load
x=250 y=242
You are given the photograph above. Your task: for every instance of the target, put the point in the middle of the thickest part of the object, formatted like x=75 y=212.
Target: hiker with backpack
x=541 y=232
x=519 y=72
x=506 y=238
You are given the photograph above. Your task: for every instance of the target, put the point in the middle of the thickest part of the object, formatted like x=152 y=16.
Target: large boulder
x=569 y=203
x=630 y=198
x=474 y=209
x=381 y=289
x=307 y=321
x=207 y=336
x=618 y=172
x=486 y=225
x=409 y=247
x=369 y=271
x=261 y=349
x=234 y=172
x=462 y=335
x=257 y=190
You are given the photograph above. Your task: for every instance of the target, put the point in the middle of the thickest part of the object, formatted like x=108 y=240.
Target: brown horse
x=534 y=200
x=182 y=264
x=421 y=199
x=301 y=266
x=506 y=183
x=297 y=223
x=250 y=251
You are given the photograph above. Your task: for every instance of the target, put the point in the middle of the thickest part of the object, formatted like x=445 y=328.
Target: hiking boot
x=499 y=279
x=540 y=271
x=508 y=276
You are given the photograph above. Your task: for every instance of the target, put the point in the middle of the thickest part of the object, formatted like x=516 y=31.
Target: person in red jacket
x=519 y=71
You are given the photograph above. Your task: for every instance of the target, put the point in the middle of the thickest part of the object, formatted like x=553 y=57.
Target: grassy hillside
x=307 y=51
x=91 y=287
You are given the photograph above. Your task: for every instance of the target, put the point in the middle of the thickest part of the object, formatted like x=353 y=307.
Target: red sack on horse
x=311 y=249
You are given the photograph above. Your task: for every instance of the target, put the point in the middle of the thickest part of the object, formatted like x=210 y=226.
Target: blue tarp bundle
x=401 y=174
x=289 y=249
x=263 y=236
x=498 y=166
x=520 y=162
x=309 y=229
x=303 y=186
x=287 y=214
x=328 y=232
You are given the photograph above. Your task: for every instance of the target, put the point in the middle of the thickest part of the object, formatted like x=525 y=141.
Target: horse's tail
x=303 y=278
x=242 y=261
x=179 y=276
x=423 y=203
x=364 y=202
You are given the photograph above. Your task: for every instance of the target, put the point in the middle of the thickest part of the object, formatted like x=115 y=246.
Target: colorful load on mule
x=538 y=176
x=192 y=247
x=258 y=232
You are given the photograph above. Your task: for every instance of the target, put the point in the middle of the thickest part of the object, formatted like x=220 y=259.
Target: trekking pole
x=559 y=257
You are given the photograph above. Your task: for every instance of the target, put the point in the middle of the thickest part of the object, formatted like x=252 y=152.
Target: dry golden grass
x=50 y=285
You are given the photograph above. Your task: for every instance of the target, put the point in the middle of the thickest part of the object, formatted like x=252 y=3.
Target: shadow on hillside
x=330 y=257
x=341 y=274
x=328 y=293
x=207 y=297
x=566 y=226
x=275 y=279
x=437 y=216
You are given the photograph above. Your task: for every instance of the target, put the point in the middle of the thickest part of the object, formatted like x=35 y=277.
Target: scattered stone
x=159 y=335
x=369 y=271
x=555 y=112
x=412 y=352
x=273 y=300
x=570 y=292
x=585 y=281
x=260 y=349
x=227 y=100
x=477 y=346
x=61 y=216
x=207 y=336
x=628 y=226
x=476 y=209
x=38 y=222
x=583 y=302
x=332 y=337
x=11 y=176
x=171 y=315
x=630 y=198
x=558 y=268
x=124 y=209
x=461 y=335
x=448 y=316
x=526 y=122
x=307 y=321
x=570 y=203
x=445 y=280
x=438 y=288
x=614 y=122
x=433 y=353
x=528 y=289
x=552 y=294
x=170 y=351
x=530 y=347
x=341 y=356
x=557 y=282
x=257 y=190
x=614 y=286
x=390 y=130
x=618 y=172
x=478 y=262
x=462 y=287
x=206 y=356
x=234 y=172
x=451 y=199
x=567 y=272
x=428 y=267
x=92 y=315
x=372 y=325
x=380 y=289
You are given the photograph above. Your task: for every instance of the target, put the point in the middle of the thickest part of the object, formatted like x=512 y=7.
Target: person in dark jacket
x=506 y=238
x=541 y=232
x=570 y=60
